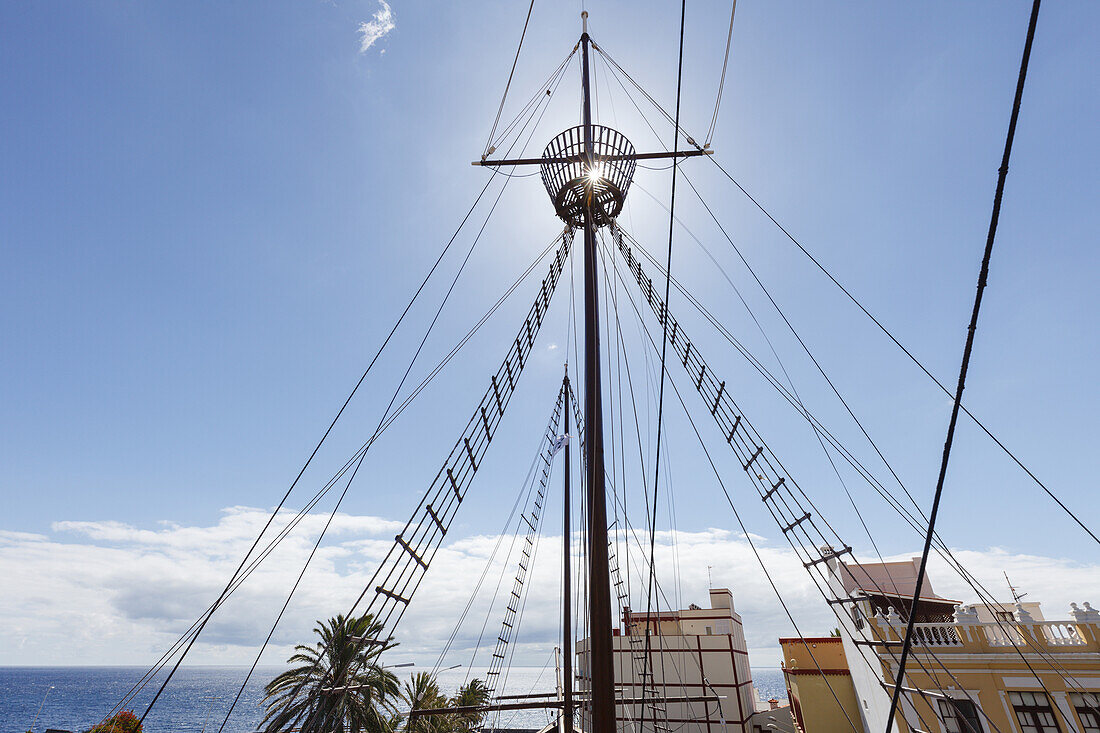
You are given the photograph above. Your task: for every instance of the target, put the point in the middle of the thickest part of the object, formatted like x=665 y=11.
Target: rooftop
x=895 y=579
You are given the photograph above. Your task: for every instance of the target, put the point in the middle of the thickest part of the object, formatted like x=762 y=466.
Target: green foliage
x=474 y=693
x=123 y=722
x=303 y=698
x=422 y=691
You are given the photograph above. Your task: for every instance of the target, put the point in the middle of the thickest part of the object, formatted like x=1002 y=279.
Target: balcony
x=969 y=636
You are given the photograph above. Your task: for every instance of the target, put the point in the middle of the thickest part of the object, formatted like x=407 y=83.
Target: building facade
x=819 y=684
x=980 y=668
x=694 y=652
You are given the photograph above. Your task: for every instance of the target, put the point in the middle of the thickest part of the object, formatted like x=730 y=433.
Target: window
x=1033 y=712
x=1087 y=705
x=1006 y=616
x=960 y=716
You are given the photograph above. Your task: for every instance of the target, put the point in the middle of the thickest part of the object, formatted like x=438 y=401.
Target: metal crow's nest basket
x=572 y=180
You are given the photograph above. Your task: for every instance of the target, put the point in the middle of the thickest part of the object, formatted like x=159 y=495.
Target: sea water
x=198 y=698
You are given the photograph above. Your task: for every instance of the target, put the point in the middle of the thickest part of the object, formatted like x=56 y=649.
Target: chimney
x=773 y=704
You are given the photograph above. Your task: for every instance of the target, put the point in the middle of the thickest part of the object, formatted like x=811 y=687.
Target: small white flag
x=559 y=443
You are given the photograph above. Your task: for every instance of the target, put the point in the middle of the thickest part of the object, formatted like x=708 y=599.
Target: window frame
x=1033 y=711
x=1081 y=706
x=954 y=707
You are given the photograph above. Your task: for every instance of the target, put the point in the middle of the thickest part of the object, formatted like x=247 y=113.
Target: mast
x=601 y=665
x=588 y=189
x=567 y=603
x=557 y=673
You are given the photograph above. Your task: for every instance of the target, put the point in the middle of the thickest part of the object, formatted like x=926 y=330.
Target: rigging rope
x=382 y=423
x=402 y=570
x=660 y=708
x=629 y=532
x=640 y=657
x=510 y=624
x=147 y=677
x=639 y=665
x=722 y=81
x=1015 y=459
x=508 y=85
x=920 y=365
x=748 y=536
x=362 y=455
x=316 y=448
x=293 y=590
x=539 y=96
x=777 y=489
x=983 y=276
x=947 y=555
x=664 y=348
x=521 y=497
x=233 y=583
x=942 y=549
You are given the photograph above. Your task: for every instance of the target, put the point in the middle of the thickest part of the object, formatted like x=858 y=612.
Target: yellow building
x=972 y=669
x=819 y=683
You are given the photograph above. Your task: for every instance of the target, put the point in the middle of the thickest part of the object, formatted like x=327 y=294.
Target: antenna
x=710 y=582
x=1016 y=595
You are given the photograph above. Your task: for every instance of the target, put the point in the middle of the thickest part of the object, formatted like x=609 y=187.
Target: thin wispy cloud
x=374 y=30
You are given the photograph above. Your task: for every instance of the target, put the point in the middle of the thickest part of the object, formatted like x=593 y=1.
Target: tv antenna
x=1017 y=596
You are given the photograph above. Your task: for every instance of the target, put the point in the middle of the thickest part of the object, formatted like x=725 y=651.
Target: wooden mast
x=567 y=571
x=601 y=663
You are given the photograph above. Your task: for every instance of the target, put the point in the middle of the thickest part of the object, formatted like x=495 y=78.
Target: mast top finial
x=584 y=21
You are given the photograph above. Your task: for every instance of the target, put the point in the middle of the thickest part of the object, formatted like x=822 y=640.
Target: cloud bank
x=372 y=31
x=110 y=593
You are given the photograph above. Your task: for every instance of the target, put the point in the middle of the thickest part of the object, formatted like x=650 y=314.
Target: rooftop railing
x=967 y=634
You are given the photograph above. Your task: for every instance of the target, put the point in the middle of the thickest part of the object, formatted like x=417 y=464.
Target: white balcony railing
x=1060 y=633
x=1002 y=634
x=1052 y=633
x=936 y=635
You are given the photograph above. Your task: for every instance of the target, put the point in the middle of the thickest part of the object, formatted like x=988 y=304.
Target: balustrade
x=936 y=635
x=1060 y=633
x=1005 y=634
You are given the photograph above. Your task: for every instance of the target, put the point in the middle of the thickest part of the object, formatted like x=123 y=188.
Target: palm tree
x=339 y=687
x=474 y=693
x=422 y=692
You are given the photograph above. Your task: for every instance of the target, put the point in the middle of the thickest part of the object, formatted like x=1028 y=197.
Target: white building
x=695 y=652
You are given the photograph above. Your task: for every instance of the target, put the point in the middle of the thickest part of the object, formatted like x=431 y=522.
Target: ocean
x=197 y=699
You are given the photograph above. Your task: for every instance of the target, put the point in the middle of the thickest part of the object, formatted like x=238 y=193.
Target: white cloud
x=111 y=593
x=371 y=31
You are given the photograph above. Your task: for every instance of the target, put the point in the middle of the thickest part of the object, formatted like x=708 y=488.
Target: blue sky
x=211 y=213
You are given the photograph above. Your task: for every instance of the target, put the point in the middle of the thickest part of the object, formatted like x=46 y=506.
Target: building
x=979 y=668
x=819 y=683
x=695 y=652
